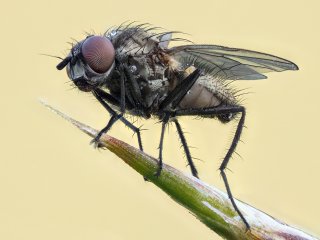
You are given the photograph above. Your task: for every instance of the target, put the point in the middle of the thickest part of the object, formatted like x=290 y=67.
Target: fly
x=131 y=69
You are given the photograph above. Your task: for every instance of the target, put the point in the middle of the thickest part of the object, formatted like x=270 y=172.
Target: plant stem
x=209 y=204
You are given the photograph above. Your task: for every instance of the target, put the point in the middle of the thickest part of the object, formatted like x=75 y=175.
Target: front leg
x=114 y=117
x=104 y=97
x=133 y=89
x=96 y=140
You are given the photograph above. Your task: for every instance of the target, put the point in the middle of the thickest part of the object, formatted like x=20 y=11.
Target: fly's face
x=90 y=62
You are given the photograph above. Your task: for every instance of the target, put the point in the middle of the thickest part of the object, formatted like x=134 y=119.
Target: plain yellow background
x=54 y=185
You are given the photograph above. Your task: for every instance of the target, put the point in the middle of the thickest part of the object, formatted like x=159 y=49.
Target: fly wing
x=230 y=63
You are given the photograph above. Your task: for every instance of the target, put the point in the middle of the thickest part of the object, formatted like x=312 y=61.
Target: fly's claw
x=96 y=143
x=158 y=172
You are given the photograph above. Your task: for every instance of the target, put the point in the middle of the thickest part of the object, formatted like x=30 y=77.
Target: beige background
x=54 y=185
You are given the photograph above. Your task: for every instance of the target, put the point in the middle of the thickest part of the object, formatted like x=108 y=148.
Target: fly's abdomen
x=199 y=97
x=207 y=92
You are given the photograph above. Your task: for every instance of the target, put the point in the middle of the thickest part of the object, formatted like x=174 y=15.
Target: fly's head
x=90 y=62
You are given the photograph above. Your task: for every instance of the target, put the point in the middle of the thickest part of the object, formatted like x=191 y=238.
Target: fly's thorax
x=138 y=66
x=149 y=73
x=141 y=51
x=153 y=82
x=137 y=40
x=132 y=42
x=154 y=92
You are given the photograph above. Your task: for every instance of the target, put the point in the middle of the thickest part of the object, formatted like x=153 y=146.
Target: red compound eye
x=98 y=53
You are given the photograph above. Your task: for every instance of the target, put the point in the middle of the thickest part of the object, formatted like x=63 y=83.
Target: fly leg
x=96 y=140
x=174 y=99
x=176 y=95
x=133 y=86
x=225 y=162
x=104 y=97
x=216 y=111
x=133 y=91
x=186 y=149
x=114 y=115
x=163 y=128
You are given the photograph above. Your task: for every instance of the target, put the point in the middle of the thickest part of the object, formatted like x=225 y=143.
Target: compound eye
x=98 y=52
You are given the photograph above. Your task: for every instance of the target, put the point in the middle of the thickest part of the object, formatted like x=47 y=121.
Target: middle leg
x=174 y=99
x=163 y=128
x=186 y=148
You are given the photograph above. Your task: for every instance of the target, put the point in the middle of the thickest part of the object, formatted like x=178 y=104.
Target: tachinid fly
x=130 y=69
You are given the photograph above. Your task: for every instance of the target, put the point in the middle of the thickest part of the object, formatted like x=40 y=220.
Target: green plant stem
x=210 y=205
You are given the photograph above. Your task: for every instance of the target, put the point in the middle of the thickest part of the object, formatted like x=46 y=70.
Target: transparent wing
x=230 y=63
